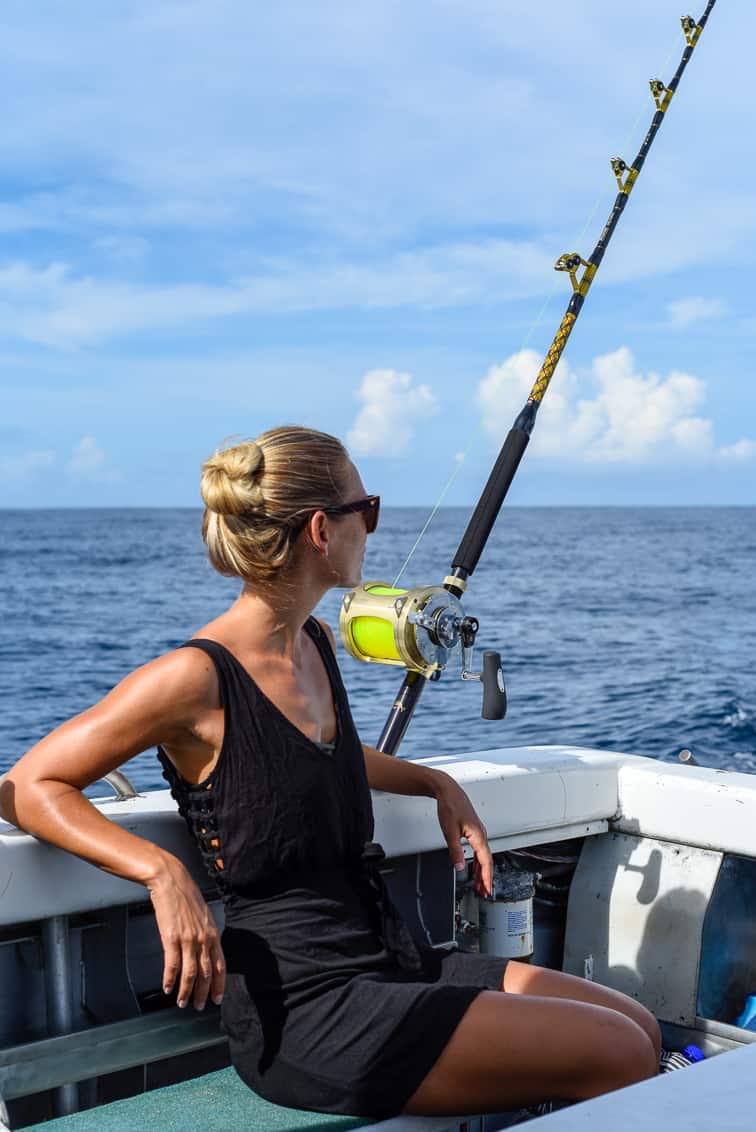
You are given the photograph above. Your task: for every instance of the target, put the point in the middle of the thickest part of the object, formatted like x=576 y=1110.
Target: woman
x=327 y=1002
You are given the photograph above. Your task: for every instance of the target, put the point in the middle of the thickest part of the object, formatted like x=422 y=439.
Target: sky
x=216 y=218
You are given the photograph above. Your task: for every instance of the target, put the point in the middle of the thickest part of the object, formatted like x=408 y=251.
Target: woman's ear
x=317 y=532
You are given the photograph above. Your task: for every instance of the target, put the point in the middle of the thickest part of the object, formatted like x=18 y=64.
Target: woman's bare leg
x=524 y=978
x=511 y=1050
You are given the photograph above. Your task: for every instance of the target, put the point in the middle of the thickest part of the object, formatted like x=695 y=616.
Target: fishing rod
x=420 y=628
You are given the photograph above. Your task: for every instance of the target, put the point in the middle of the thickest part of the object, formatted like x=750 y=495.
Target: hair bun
x=254 y=456
x=228 y=484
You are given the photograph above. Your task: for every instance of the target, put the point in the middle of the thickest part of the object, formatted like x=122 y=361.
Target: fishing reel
x=418 y=629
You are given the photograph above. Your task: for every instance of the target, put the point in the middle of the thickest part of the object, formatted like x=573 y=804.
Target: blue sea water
x=629 y=629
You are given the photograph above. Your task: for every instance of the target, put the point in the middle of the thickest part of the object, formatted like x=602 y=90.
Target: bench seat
x=216 y=1102
x=221 y=1102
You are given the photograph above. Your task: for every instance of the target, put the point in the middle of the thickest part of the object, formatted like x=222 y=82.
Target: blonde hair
x=259 y=493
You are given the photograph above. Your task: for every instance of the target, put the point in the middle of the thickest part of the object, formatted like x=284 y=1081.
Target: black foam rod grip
x=484 y=516
x=494 y=691
x=401 y=713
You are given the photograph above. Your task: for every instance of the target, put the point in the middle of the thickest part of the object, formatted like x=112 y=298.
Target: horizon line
x=389 y=506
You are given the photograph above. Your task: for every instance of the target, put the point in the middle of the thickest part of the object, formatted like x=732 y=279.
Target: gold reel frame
x=377 y=626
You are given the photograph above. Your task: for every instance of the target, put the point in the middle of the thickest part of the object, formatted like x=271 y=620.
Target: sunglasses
x=369 y=508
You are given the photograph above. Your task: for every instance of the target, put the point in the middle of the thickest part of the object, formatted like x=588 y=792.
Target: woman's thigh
x=511 y=1050
x=524 y=978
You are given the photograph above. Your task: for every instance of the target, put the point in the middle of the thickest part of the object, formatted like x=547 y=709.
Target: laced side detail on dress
x=196 y=805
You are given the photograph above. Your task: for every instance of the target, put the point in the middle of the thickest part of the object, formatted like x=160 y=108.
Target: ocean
x=626 y=629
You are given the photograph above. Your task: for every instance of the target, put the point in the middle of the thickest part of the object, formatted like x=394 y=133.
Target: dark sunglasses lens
x=371 y=515
x=369 y=508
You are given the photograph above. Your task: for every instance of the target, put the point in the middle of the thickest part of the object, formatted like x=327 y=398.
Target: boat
x=645 y=880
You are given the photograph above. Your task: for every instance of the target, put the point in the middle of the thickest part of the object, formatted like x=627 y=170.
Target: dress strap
x=222 y=662
x=318 y=635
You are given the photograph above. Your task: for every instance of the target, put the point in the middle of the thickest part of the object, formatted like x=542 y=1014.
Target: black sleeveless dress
x=329 y=1003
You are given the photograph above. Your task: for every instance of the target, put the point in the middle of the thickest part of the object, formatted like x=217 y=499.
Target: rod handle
x=494 y=691
x=479 y=527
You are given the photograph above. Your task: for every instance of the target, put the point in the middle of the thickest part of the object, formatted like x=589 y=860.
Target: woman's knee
x=642 y=1017
x=523 y=978
x=651 y=1026
x=628 y=1052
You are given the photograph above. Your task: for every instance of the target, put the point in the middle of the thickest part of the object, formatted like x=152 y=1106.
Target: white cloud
x=391 y=408
x=26 y=464
x=683 y=312
x=740 y=451
x=464 y=109
x=87 y=462
x=628 y=418
x=55 y=307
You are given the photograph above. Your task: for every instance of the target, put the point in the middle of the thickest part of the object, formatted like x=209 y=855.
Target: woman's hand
x=458 y=819
x=456 y=814
x=191 y=943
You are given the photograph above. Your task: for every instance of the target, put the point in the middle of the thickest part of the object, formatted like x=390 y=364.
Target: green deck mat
x=217 y=1102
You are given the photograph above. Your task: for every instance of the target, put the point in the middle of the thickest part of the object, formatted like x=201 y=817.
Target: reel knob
x=494 y=690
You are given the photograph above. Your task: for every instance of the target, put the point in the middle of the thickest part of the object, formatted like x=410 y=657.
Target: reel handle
x=494 y=691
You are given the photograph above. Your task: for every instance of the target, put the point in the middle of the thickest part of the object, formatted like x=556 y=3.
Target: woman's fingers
x=189 y=970
x=478 y=841
x=172 y=964
x=203 y=979
x=458 y=819
x=218 y=976
x=203 y=971
x=190 y=939
x=452 y=830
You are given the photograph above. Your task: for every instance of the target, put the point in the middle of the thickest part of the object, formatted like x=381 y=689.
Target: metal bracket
x=691 y=30
x=570 y=262
x=121 y=784
x=661 y=93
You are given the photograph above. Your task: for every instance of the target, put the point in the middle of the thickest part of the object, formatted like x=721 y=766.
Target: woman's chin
x=348 y=580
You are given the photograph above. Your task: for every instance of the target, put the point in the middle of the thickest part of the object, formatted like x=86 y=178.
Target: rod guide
x=571 y=262
x=661 y=93
x=691 y=30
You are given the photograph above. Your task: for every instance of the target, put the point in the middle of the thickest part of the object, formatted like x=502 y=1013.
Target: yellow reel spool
x=378 y=624
x=367 y=627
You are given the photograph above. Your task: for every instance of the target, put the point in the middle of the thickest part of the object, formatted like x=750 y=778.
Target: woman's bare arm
x=456 y=813
x=159 y=703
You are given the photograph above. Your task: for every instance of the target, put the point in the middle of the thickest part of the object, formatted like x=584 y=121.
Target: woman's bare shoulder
x=163 y=701
x=184 y=677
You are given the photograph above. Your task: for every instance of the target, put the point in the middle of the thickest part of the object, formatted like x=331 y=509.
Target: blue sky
x=219 y=217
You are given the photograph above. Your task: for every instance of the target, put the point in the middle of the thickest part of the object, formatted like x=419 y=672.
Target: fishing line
x=535 y=324
x=422 y=628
